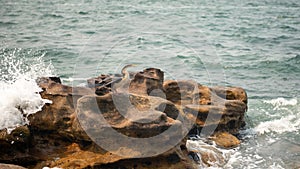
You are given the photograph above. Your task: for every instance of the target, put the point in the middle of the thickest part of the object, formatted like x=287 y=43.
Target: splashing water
x=289 y=123
x=279 y=102
x=19 y=92
x=215 y=157
x=289 y=120
x=271 y=141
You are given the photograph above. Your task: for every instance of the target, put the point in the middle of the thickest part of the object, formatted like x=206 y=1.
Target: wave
x=289 y=121
x=19 y=92
x=217 y=157
x=281 y=102
x=285 y=124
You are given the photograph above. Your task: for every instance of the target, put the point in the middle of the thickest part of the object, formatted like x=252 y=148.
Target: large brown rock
x=67 y=132
x=145 y=127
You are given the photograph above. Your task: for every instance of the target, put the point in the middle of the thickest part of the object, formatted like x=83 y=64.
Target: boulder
x=146 y=127
x=68 y=132
x=225 y=140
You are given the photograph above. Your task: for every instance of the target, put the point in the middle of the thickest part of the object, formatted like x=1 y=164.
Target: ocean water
x=251 y=44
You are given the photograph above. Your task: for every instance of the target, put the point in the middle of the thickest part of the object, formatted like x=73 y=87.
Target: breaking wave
x=19 y=92
x=289 y=121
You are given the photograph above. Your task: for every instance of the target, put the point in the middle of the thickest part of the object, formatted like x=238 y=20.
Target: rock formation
x=96 y=127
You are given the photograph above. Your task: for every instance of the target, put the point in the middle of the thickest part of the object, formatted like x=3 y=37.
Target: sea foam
x=282 y=102
x=285 y=124
x=289 y=120
x=19 y=92
x=218 y=156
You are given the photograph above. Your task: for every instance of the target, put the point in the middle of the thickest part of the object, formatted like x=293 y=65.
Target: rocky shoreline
x=69 y=133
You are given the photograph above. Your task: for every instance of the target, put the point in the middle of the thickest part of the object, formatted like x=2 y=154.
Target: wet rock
x=59 y=115
x=212 y=157
x=209 y=156
x=225 y=140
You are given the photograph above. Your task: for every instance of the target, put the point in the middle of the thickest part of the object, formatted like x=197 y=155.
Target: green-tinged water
x=251 y=44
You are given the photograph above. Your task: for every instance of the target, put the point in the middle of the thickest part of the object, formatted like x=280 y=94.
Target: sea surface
x=251 y=44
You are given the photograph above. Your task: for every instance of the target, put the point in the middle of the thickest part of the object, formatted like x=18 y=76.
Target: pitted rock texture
x=75 y=130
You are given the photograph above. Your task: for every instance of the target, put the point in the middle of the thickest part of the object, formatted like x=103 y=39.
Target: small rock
x=225 y=140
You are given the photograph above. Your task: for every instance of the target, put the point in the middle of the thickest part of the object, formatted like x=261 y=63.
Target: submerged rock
x=146 y=127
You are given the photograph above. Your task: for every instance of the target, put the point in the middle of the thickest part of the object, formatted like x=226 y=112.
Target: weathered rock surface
x=148 y=82
x=211 y=105
x=92 y=126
